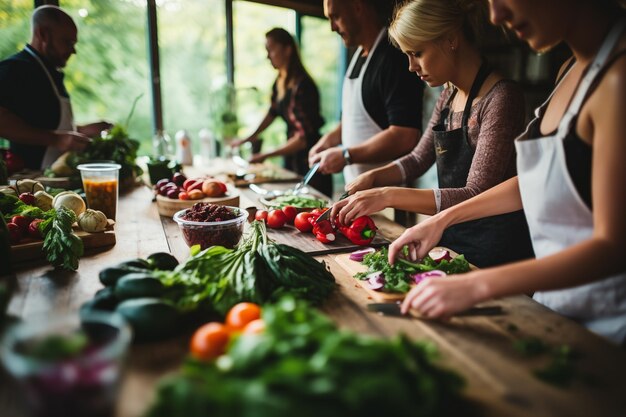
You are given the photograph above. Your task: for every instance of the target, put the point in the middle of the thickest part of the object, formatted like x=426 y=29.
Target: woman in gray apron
x=571 y=182
x=440 y=36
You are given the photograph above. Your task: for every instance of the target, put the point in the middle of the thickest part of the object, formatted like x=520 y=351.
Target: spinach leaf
x=62 y=247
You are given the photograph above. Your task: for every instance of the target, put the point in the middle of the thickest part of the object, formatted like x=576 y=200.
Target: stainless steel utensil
x=325 y=215
x=393 y=309
x=305 y=180
x=264 y=192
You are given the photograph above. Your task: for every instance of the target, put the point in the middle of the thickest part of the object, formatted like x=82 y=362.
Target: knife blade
x=325 y=215
x=305 y=180
x=393 y=309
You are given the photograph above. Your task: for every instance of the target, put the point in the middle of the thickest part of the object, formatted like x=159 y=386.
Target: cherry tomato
x=260 y=215
x=318 y=212
x=187 y=183
x=254 y=327
x=276 y=219
x=241 y=314
x=290 y=213
x=209 y=341
x=302 y=222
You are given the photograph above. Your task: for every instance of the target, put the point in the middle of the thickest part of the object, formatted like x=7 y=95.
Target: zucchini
x=163 y=261
x=138 y=285
x=104 y=299
x=152 y=319
x=110 y=276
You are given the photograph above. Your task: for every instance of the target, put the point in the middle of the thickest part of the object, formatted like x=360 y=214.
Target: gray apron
x=491 y=240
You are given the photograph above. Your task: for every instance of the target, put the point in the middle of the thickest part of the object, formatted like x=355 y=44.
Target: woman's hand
x=442 y=297
x=360 y=204
x=235 y=143
x=364 y=181
x=420 y=239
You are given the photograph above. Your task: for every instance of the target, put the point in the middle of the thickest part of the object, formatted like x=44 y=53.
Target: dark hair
x=295 y=69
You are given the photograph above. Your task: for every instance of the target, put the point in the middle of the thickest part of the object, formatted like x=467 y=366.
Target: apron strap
x=607 y=47
x=483 y=73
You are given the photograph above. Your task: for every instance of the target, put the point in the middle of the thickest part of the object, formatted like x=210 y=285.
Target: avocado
x=110 y=276
x=163 y=261
x=152 y=319
x=138 y=285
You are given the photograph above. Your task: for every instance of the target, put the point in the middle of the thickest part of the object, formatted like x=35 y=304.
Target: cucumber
x=104 y=299
x=110 y=276
x=138 y=285
x=152 y=319
x=136 y=263
x=163 y=261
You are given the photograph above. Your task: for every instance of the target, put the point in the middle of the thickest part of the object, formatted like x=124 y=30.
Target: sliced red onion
x=439 y=255
x=430 y=274
x=360 y=254
x=375 y=281
x=330 y=236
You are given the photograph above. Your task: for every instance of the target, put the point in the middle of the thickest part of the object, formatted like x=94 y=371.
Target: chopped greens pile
x=303 y=365
x=398 y=276
x=299 y=201
x=258 y=270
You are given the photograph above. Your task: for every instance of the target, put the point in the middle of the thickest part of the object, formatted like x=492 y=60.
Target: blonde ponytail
x=417 y=21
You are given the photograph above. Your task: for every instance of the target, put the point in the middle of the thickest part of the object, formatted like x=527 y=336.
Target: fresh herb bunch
x=303 y=365
x=62 y=247
x=258 y=270
x=398 y=276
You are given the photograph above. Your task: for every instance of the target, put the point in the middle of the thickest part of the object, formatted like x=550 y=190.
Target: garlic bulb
x=92 y=221
x=43 y=200
x=70 y=200
x=28 y=186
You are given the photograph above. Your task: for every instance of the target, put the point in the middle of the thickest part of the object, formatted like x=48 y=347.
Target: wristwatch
x=346 y=155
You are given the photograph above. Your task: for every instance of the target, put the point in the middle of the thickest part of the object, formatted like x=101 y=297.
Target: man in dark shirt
x=381 y=100
x=35 y=110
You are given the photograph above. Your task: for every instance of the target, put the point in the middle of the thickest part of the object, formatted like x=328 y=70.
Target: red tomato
x=290 y=213
x=15 y=233
x=302 y=222
x=209 y=341
x=222 y=186
x=260 y=215
x=318 y=212
x=241 y=314
x=276 y=219
x=254 y=327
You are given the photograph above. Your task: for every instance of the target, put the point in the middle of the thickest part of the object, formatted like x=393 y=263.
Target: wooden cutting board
x=353 y=267
x=307 y=242
x=34 y=250
x=169 y=206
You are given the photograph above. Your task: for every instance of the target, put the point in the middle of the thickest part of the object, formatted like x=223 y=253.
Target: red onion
x=360 y=254
x=375 y=281
x=430 y=274
x=439 y=255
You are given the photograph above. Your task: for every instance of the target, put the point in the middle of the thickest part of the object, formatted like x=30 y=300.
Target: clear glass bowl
x=83 y=383
x=226 y=233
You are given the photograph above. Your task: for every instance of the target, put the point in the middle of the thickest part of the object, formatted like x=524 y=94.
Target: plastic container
x=101 y=185
x=84 y=383
x=226 y=233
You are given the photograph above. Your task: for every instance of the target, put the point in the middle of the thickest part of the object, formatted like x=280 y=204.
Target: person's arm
x=499 y=119
x=327 y=141
x=15 y=129
x=94 y=129
x=375 y=149
x=267 y=120
x=293 y=145
x=593 y=259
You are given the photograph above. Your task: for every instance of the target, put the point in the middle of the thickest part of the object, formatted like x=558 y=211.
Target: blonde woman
x=470 y=134
x=571 y=179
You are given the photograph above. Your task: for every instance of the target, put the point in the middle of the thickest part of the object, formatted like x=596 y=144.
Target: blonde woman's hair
x=417 y=21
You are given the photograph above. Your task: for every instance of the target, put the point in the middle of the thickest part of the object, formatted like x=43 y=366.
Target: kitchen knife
x=393 y=309
x=305 y=180
x=325 y=215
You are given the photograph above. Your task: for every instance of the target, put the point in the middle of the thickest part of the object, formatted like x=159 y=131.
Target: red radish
x=439 y=255
x=27 y=198
x=15 y=233
x=430 y=274
x=33 y=229
x=22 y=222
x=375 y=281
x=360 y=254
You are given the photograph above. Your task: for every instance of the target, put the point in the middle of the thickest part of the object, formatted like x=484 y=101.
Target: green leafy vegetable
x=258 y=270
x=58 y=347
x=398 y=276
x=62 y=247
x=298 y=201
x=303 y=365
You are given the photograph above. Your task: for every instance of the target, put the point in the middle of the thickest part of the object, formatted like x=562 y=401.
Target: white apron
x=356 y=124
x=558 y=217
x=66 y=120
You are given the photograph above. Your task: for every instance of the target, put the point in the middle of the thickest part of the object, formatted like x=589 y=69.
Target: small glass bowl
x=226 y=233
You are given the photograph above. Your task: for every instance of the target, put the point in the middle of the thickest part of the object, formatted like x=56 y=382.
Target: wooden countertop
x=499 y=380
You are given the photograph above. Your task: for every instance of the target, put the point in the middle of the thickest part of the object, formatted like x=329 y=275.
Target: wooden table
x=499 y=380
